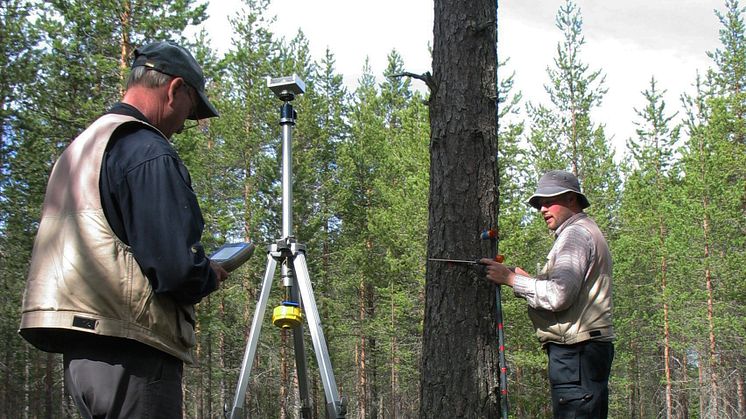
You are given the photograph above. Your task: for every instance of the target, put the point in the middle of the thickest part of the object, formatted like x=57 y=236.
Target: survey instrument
x=232 y=255
x=299 y=303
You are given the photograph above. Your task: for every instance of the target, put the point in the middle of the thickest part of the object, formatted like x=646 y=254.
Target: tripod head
x=286 y=88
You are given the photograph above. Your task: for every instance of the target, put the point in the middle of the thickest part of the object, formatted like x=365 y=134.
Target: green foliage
x=646 y=291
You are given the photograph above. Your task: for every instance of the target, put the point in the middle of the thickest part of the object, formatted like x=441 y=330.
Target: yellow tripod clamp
x=287 y=315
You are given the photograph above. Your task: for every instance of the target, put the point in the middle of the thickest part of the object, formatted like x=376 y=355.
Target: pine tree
x=642 y=274
x=563 y=135
x=714 y=184
x=460 y=309
x=399 y=223
x=360 y=160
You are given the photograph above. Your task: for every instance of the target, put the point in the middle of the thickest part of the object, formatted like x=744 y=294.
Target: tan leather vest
x=82 y=277
x=589 y=317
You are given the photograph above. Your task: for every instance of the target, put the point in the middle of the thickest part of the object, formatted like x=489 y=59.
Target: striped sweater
x=570 y=299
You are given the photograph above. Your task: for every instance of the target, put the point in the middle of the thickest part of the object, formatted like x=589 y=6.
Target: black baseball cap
x=557 y=182
x=169 y=58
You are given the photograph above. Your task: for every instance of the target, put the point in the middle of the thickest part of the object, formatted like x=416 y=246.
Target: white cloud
x=628 y=41
x=352 y=30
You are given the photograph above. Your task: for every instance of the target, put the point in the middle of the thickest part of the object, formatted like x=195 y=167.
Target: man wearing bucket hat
x=117 y=264
x=569 y=301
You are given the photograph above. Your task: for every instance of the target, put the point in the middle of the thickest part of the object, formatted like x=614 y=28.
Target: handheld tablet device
x=232 y=255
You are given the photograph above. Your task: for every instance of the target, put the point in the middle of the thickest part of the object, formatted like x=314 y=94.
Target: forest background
x=672 y=209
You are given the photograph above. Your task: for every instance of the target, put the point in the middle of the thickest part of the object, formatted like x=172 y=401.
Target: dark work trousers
x=579 y=376
x=122 y=378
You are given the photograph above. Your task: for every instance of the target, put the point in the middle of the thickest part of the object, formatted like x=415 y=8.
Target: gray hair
x=143 y=76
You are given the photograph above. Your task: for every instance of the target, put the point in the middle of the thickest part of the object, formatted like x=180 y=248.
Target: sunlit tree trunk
x=125 y=43
x=664 y=278
x=222 y=352
x=198 y=405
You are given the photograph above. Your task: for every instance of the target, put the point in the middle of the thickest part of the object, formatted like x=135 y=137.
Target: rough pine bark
x=459 y=376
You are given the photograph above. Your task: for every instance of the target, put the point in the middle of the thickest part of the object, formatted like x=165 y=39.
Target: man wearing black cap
x=569 y=301
x=117 y=264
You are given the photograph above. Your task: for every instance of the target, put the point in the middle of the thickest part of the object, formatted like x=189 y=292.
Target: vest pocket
x=187 y=321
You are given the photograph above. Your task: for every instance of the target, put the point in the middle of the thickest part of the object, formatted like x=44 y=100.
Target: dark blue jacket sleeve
x=165 y=231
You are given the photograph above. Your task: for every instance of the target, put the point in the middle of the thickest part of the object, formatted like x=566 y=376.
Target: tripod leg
x=306 y=407
x=335 y=408
x=300 y=366
x=253 y=341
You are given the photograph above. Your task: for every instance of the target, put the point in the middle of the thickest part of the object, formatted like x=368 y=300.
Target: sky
x=630 y=41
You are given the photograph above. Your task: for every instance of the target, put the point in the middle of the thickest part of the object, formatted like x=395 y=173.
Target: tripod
x=291 y=255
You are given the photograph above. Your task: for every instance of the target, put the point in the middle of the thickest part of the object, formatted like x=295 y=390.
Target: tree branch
x=426 y=77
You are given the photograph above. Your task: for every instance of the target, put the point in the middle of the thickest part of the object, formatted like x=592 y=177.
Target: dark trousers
x=579 y=376
x=121 y=378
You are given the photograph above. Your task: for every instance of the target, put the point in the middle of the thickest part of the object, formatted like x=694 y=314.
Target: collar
x=568 y=222
x=122 y=108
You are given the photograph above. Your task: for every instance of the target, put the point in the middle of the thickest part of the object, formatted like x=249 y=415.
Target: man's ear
x=178 y=82
x=172 y=87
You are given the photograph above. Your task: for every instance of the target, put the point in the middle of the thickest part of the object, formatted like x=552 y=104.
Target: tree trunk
x=394 y=362
x=710 y=316
x=701 y=381
x=460 y=372
x=666 y=329
x=199 y=397
x=667 y=357
x=741 y=403
x=361 y=355
x=206 y=371
x=222 y=351
x=7 y=388
x=713 y=347
x=284 y=375
x=126 y=22
x=49 y=386
x=683 y=398
x=637 y=404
